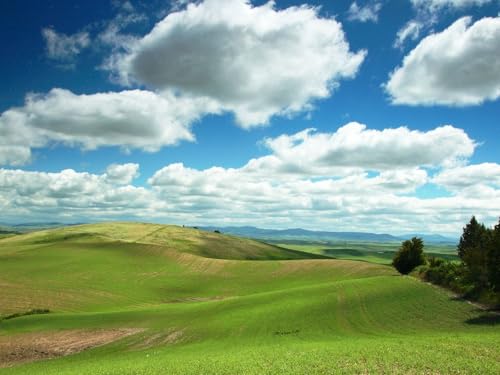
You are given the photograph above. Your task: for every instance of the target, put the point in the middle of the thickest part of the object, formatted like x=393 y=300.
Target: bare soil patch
x=29 y=347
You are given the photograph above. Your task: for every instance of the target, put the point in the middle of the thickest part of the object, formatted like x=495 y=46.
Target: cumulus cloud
x=68 y=195
x=63 y=47
x=355 y=146
x=458 y=66
x=487 y=174
x=14 y=155
x=250 y=59
x=271 y=191
x=366 y=13
x=386 y=201
x=320 y=180
x=129 y=119
x=122 y=174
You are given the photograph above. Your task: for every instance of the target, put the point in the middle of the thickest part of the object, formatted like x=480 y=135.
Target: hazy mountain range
x=310 y=235
x=292 y=234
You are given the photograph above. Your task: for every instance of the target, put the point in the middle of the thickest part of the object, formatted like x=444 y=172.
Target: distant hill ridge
x=297 y=234
x=304 y=234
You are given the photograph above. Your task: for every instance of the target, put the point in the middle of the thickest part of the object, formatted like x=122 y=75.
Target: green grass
x=374 y=252
x=304 y=316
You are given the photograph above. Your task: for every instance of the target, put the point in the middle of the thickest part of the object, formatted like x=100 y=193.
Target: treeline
x=476 y=276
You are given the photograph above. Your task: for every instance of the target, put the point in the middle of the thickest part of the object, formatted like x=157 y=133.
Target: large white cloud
x=129 y=119
x=383 y=203
x=271 y=191
x=458 y=66
x=255 y=61
x=294 y=186
x=355 y=146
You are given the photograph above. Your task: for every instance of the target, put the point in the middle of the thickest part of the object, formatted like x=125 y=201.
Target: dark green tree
x=409 y=255
x=472 y=249
x=471 y=238
x=493 y=258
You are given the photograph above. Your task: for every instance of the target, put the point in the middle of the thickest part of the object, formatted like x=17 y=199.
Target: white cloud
x=441 y=4
x=129 y=119
x=14 y=155
x=411 y=30
x=262 y=193
x=355 y=146
x=384 y=203
x=68 y=195
x=366 y=13
x=319 y=180
x=62 y=47
x=458 y=66
x=427 y=15
x=249 y=59
x=114 y=36
x=485 y=174
x=122 y=174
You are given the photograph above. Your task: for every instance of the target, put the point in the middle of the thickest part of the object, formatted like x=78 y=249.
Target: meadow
x=184 y=301
x=374 y=252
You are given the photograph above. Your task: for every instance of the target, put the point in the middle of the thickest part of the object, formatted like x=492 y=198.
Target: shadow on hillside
x=489 y=319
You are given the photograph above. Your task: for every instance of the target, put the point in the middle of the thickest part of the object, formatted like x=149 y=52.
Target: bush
x=409 y=255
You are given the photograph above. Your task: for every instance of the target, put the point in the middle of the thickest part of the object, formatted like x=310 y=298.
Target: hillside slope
x=187 y=240
x=192 y=314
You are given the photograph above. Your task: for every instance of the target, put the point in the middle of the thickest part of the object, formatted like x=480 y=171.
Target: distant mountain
x=303 y=234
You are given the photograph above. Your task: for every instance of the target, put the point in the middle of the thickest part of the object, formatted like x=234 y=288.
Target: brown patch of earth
x=29 y=347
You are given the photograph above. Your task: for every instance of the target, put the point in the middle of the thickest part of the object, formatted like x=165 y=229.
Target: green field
x=374 y=252
x=206 y=303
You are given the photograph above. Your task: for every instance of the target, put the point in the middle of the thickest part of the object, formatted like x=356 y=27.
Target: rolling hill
x=178 y=300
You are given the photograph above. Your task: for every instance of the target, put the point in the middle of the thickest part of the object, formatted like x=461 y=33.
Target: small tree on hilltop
x=409 y=255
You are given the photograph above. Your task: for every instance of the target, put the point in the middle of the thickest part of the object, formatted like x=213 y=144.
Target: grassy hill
x=374 y=252
x=201 y=302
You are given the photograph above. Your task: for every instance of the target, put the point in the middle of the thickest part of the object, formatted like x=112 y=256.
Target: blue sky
x=198 y=113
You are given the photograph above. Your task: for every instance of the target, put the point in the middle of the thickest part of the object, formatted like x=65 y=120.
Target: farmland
x=151 y=299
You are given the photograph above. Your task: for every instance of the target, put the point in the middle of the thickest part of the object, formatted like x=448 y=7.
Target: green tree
x=409 y=255
x=472 y=249
x=471 y=238
x=493 y=258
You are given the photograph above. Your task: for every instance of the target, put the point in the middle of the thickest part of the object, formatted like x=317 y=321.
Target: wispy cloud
x=367 y=13
x=64 y=48
x=410 y=31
